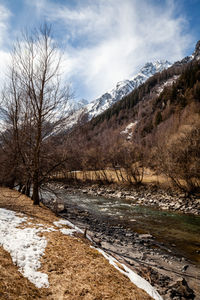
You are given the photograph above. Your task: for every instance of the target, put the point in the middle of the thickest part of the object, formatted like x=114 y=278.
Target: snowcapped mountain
x=122 y=89
x=79 y=104
x=73 y=106
x=196 y=54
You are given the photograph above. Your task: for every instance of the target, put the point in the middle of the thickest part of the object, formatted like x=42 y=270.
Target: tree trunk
x=27 y=192
x=11 y=183
x=35 y=196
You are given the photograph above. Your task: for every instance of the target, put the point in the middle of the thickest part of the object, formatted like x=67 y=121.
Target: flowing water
x=178 y=232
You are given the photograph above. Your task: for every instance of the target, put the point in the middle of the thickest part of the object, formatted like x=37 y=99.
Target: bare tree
x=179 y=159
x=37 y=101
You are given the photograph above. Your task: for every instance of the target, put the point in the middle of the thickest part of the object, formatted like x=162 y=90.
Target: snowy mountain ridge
x=82 y=111
x=121 y=89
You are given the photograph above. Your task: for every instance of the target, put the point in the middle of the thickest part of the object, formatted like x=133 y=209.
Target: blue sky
x=105 y=41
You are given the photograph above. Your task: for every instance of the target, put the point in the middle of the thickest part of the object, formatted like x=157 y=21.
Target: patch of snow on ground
x=135 y=278
x=128 y=130
x=169 y=82
x=67 y=231
x=67 y=223
x=26 y=248
x=24 y=245
x=74 y=229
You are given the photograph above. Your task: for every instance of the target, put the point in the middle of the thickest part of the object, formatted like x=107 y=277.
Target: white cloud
x=4 y=16
x=109 y=40
x=4 y=56
x=4 y=60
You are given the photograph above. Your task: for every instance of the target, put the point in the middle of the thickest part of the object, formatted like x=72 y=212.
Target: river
x=179 y=232
x=164 y=244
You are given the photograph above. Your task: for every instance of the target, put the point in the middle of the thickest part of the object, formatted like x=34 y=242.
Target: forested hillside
x=157 y=126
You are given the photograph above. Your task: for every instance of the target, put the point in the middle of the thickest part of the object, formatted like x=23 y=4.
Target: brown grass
x=13 y=285
x=75 y=270
x=149 y=176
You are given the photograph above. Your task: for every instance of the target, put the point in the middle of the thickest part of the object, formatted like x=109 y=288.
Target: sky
x=104 y=41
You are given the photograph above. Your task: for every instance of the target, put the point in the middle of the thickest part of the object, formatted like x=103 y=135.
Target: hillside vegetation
x=165 y=136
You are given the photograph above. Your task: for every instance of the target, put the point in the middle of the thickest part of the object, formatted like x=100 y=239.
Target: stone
x=118 y=195
x=145 y=236
x=60 y=207
x=181 y=290
x=97 y=242
x=177 y=206
x=100 y=193
x=184 y=268
x=129 y=197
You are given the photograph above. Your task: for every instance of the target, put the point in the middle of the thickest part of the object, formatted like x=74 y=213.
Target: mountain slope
x=122 y=89
x=157 y=126
x=144 y=95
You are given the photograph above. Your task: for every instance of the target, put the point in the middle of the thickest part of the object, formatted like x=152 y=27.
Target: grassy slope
x=75 y=270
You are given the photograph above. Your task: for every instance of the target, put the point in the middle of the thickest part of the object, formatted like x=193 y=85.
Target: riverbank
x=161 y=263
x=51 y=259
x=147 y=195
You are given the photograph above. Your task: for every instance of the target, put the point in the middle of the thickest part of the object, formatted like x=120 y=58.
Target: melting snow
x=74 y=229
x=128 y=130
x=24 y=245
x=67 y=231
x=26 y=248
x=67 y=223
x=135 y=278
x=169 y=82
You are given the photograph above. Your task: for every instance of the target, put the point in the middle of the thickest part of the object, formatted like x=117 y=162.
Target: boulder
x=60 y=207
x=180 y=290
x=118 y=195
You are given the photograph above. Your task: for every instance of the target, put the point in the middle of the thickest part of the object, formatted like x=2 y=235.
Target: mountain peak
x=151 y=68
x=196 y=53
x=121 y=89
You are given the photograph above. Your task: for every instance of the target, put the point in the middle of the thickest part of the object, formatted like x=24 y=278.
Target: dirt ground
x=75 y=270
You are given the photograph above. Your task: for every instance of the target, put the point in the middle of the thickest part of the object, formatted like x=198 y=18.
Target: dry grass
x=113 y=176
x=75 y=270
x=13 y=286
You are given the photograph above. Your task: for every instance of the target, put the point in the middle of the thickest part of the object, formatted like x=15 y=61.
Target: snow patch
x=74 y=229
x=24 y=245
x=67 y=223
x=26 y=248
x=128 y=130
x=167 y=83
x=68 y=231
x=135 y=278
